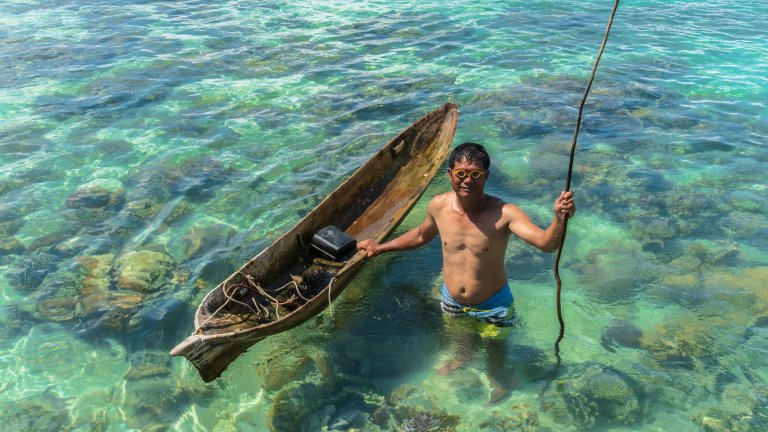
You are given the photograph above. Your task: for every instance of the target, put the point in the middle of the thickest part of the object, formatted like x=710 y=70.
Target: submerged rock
x=58 y=309
x=95 y=284
x=113 y=316
x=14 y=321
x=10 y=246
x=146 y=364
x=621 y=333
x=104 y=308
x=519 y=418
x=325 y=406
x=415 y=420
x=113 y=147
x=743 y=225
x=91 y=206
x=97 y=268
x=680 y=342
x=143 y=271
x=722 y=252
x=685 y=263
x=42 y=413
x=741 y=409
x=283 y=370
x=744 y=288
x=151 y=182
x=11 y=227
x=654 y=230
x=57 y=297
x=152 y=316
x=70 y=247
x=152 y=393
x=34 y=268
x=200 y=176
x=204 y=238
x=612 y=278
x=46 y=242
x=598 y=395
x=95 y=197
x=409 y=408
x=195 y=178
x=299 y=408
x=687 y=203
x=181 y=209
x=143 y=208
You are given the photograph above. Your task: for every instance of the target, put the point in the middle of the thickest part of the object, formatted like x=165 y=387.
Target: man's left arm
x=548 y=240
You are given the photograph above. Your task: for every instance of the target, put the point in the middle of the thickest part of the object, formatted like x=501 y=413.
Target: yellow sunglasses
x=462 y=174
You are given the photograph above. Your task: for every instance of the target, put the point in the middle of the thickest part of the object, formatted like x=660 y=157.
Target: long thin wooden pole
x=570 y=172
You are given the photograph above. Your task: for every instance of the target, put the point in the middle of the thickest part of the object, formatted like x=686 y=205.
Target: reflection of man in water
x=475 y=228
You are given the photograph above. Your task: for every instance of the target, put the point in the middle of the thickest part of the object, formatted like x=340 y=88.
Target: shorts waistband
x=495 y=310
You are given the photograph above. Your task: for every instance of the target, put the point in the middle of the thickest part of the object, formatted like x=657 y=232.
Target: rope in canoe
x=330 y=305
x=227 y=292
x=274 y=304
x=570 y=171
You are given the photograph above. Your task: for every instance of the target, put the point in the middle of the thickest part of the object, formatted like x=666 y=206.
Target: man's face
x=473 y=180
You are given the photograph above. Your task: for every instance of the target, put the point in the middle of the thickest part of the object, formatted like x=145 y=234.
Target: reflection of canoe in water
x=289 y=282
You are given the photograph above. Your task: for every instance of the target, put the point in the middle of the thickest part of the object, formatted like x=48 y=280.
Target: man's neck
x=472 y=205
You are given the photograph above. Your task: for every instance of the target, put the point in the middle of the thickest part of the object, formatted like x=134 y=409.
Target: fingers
x=564 y=204
x=368 y=246
x=364 y=245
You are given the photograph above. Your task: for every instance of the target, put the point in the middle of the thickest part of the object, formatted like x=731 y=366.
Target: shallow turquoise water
x=195 y=133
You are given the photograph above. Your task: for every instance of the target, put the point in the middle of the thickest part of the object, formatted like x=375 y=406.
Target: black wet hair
x=471 y=152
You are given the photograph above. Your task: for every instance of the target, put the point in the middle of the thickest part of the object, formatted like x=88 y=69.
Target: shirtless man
x=474 y=229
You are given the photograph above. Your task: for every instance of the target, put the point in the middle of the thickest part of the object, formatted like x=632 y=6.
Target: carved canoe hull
x=287 y=283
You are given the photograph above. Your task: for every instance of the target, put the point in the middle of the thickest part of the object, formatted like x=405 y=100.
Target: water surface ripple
x=148 y=148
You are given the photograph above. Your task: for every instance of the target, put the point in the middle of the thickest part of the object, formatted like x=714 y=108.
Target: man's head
x=470 y=152
x=468 y=169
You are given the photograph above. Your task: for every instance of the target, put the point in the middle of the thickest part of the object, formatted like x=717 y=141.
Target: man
x=474 y=229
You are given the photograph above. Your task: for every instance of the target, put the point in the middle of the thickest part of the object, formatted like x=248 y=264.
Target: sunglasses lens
x=462 y=174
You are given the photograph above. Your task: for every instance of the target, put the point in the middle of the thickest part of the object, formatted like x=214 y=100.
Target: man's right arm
x=413 y=239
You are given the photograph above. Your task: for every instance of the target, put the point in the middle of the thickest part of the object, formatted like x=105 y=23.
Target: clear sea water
x=170 y=141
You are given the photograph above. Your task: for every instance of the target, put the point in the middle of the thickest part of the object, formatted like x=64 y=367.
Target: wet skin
x=474 y=229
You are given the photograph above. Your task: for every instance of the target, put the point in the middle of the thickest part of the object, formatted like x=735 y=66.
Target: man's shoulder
x=496 y=202
x=439 y=201
x=511 y=212
x=441 y=198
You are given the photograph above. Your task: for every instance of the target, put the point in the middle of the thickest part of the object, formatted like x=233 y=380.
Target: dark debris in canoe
x=249 y=301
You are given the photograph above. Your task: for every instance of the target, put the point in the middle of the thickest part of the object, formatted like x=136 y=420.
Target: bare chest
x=460 y=232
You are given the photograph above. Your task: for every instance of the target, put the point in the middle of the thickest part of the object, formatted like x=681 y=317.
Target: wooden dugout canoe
x=288 y=283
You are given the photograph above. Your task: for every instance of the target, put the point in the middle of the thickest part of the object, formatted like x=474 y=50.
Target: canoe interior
x=249 y=308
x=287 y=282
